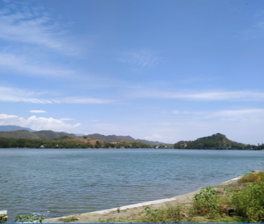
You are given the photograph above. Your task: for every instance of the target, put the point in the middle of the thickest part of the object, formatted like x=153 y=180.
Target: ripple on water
x=66 y=181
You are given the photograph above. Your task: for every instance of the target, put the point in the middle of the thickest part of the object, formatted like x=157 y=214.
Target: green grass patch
x=168 y=214
x=70 y=218
x=252 y=177
x=249 y=203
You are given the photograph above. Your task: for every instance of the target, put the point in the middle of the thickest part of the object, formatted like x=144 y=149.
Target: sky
x=158 y=70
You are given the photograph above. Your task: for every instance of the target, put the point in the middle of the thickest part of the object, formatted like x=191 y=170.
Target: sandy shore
x=133 y=210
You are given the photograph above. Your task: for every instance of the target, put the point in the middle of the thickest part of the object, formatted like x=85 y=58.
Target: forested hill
x=25 y=134
x=11 y=131
x=216 y=141
x=115 y=138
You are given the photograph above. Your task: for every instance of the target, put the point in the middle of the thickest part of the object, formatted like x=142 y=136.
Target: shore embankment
x=134 y=209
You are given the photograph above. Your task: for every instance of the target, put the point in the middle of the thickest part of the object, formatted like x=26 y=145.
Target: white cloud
x=252 y=112
x=34 y=26
x=85 y=100
x=140 y=58
x=238 y=114
x=203 y=96
x=37 y=111
x=8 y=94
x=28 y=66
x=37 y=123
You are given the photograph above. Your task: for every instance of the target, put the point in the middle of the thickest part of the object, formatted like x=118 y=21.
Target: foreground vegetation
x=239 y=203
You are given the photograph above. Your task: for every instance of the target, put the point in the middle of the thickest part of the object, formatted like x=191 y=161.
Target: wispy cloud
x=37 y=123
x=238 y=114
x=140 y=58
x=37 y=111
x=85 y=100
x=21 y=23
x=256 y=31
x=203 y=96
x=8 y=94
x=30 y=66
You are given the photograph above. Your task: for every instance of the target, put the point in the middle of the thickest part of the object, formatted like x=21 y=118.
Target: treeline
x=216 y=141
x=66 y=143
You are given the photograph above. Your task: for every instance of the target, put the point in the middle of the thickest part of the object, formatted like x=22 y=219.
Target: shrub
x=163 y=215
x=206 y=202
x=31 y=218
x=249 y=203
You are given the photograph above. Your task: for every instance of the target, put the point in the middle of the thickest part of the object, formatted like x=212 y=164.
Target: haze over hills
x=13 y=128
x=20 y=132
x=35 y=135
x=215 y=141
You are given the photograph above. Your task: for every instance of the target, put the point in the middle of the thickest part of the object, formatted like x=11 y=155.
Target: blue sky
x=152 y=69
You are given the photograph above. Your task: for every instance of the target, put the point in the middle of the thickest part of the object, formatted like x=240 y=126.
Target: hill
x=109 y=138
x=18 y=134
x=216 y=141
x=115 y=138
x=25 y=134
x=13 y=128
x=53 y=135
x=11 y=131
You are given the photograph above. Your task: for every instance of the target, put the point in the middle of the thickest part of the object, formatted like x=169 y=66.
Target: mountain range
x=12 y=131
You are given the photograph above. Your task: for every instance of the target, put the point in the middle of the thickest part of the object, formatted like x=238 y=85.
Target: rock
x=256 y=171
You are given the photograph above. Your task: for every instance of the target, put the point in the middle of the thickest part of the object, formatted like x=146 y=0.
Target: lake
x=59 y=182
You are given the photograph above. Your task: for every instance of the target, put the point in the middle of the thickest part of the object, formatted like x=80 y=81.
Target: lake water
x=59 y=182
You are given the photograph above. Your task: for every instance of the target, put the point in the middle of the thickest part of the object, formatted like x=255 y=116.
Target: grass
x=70 y=218
x=168 y=214
x=252 y=177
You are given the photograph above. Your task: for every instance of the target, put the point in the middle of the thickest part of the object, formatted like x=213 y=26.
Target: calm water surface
x=58 y=182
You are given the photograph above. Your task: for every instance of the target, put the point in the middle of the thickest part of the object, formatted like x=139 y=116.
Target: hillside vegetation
x=11 y=131
x=216 y=141
x=65 y=142
x=25 y=134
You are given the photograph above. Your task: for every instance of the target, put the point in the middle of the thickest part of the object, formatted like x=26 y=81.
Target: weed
x=249 y=203
x=206 y=202
x=71 y=218
x=3 y=218
x=168 y=214
x=28 y=219
x=252 y=177
x=118 y=208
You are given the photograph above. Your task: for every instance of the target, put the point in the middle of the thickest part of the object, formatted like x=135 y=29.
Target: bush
x=249 y=203
x=163 y=215
x=206 y=202
x=31 y=218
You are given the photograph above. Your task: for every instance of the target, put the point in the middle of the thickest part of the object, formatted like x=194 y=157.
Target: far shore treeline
x=50 y=139
x=67 y=143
